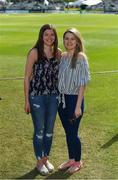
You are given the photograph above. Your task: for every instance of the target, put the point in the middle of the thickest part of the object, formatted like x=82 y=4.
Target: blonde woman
x=73 y=78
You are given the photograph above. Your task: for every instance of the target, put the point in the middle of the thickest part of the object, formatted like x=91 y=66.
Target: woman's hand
x=78 y=112
x=27 y=107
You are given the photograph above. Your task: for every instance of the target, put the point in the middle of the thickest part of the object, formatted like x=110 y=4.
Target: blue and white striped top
x=70 y=79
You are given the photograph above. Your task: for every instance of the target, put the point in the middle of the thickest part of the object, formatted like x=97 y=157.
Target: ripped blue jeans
x=43 y=112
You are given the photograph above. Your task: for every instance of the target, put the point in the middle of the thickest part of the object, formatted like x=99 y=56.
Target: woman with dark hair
x=73 y=78
x=41 y=93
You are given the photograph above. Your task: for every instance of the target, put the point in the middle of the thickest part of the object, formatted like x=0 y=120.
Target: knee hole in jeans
x=49 y=135
x=40 y=135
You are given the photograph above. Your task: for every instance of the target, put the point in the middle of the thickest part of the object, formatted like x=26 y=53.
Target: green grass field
x=99 y=127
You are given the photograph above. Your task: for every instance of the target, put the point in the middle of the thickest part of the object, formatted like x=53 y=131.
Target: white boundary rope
x=99 y=72
x=105 y=72
x=12 y=78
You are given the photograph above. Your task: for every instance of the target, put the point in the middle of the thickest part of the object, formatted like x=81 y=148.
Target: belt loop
x=63 y=101
x=59 y=98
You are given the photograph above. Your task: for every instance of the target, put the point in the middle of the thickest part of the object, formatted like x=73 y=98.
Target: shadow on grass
x=58 y=175
x=110 y=142
x=30 y=175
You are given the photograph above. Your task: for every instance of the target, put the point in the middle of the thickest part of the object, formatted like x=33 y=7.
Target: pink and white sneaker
x=75 y=167
x=67 y=164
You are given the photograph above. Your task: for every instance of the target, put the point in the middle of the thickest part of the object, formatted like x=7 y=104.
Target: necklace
x=48 y=55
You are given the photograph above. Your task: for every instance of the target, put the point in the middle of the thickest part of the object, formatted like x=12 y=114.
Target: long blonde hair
x=79 y=45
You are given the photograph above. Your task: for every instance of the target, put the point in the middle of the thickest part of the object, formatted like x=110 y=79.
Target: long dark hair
x=79 y=45
x=40 y=43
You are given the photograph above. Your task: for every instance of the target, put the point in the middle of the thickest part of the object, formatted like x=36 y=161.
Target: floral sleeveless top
x=44 y=79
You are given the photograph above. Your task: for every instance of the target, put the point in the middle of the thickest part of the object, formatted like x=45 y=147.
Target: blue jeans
x=71 y=127
x=43 y=112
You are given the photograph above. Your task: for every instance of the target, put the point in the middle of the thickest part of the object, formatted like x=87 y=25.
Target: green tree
x=69 y=1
